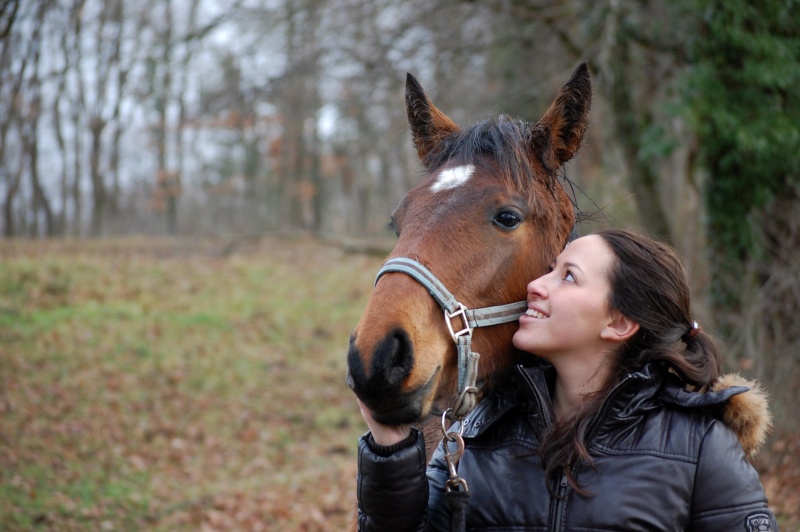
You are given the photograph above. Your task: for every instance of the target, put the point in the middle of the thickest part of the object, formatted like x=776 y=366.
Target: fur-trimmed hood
x=741 y=404
x=746 y=413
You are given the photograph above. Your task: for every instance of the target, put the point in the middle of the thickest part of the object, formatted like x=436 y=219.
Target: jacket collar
x=742 y=405
x=674 y=393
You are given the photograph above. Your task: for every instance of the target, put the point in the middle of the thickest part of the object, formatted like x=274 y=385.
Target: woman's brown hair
x=648 y=285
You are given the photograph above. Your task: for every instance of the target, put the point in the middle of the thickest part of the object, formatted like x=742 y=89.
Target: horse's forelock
x=503 y=146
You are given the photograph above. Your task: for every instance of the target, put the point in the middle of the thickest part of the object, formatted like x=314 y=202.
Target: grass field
x=181 y=385
x=164 y=385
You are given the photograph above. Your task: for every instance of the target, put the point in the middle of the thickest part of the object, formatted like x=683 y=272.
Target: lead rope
x=457 y=492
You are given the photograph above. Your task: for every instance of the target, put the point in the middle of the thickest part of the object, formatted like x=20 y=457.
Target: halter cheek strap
x=471 y=318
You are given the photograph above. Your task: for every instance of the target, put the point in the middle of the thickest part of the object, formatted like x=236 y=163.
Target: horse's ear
x=559 y=133
x=428 y=124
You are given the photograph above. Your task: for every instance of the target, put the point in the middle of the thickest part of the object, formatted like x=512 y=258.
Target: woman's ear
x=619 y=328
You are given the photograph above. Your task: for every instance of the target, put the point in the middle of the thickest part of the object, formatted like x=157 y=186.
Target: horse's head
x=489 y=216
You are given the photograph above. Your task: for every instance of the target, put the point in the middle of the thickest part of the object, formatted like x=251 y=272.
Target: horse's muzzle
x=381 y=387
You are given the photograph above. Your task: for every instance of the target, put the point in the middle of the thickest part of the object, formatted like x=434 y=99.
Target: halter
x=471 y=318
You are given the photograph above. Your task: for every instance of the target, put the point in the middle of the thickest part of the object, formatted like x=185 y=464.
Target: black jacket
x=662 y=460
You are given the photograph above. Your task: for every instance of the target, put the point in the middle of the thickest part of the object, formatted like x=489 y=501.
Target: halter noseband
x=471 y=318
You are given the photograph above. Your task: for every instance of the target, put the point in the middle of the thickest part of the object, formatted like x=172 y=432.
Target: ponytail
x=649 y=285
x=700 y=363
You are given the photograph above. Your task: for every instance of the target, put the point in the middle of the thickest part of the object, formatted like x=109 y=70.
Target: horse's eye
x=508 y=219
x=392 y=227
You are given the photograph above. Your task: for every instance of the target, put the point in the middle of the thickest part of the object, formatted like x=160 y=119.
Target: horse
x=490 y=215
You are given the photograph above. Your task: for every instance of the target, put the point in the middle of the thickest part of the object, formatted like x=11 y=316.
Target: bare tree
x=104 y=109
x=14 y=78
x=29 y=131
x=24 y=112
x=8 y=13
x=76 y=104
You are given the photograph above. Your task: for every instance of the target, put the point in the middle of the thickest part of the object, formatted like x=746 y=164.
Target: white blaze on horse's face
x=453 y=177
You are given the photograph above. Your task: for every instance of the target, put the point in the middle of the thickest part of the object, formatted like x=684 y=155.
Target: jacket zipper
x=557 y=523
x=559 y=506
x=560 y=502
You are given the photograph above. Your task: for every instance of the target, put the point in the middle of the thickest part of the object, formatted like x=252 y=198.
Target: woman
x=620 y=423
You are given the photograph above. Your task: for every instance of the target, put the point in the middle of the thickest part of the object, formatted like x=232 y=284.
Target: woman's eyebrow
x=573 y=266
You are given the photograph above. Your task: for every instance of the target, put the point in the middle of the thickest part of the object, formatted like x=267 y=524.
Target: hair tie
x=694 y=330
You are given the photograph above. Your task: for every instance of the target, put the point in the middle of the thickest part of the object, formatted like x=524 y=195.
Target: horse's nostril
x=392 y=361
x=395 y=375
x=395 y=357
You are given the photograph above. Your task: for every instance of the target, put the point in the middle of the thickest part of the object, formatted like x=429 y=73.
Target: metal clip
x=454 y=483
x=462 y=311
x=448 y=414
x=453 y=458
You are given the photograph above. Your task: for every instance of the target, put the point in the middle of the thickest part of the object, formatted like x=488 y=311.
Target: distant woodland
x=202 y=117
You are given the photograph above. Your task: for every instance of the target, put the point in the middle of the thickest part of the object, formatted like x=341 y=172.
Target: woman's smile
x=532 y=312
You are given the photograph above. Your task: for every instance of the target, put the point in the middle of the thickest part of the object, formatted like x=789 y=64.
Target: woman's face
x=568 y=307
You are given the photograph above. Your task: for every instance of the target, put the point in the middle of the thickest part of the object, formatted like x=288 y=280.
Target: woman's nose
x=538 y=288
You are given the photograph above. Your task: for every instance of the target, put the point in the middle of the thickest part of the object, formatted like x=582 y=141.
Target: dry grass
x=170 y=385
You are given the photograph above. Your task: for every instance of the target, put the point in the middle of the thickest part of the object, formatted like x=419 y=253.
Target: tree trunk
x=172 y=190
x=99 y=194
x=8 y=204
x=628 y=124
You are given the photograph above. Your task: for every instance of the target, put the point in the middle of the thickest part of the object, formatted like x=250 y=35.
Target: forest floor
x=158 y=384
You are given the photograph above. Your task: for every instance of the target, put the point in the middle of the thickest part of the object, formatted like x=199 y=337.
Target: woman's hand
x=385 y=435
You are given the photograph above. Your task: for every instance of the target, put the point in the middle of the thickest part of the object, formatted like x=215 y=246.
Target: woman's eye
x=508 y=219
x=569 y=277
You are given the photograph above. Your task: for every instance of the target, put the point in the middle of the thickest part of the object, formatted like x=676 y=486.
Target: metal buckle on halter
x=466 y=331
